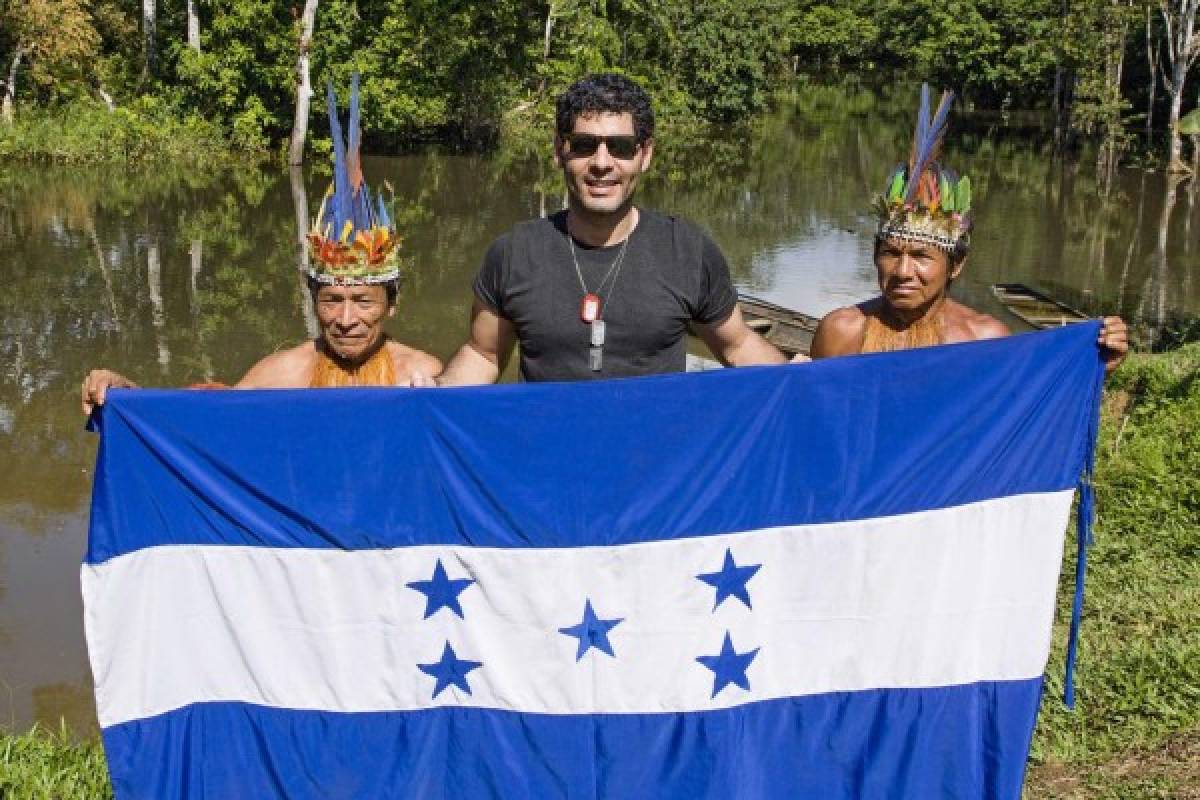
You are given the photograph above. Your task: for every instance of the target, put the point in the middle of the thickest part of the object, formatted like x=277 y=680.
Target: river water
x=179 y=278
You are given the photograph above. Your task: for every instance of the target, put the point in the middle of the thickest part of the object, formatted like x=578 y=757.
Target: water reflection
x=184 y=278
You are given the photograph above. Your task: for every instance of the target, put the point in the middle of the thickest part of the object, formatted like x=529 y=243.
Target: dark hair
x=605 y=91
x=392 y=288
x=961 y=248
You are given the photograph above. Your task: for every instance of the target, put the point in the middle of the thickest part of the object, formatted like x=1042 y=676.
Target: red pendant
x=589 y=309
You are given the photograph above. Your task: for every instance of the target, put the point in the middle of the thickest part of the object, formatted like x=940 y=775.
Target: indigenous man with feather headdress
x=920 y=248
x=353 y=281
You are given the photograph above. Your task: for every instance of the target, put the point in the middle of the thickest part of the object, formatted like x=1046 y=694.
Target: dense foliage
x=464 y=72
x=435 y=69
x=1101 y=65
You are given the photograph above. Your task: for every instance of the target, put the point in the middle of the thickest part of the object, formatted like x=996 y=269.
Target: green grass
x=44 y=765
x=1136 y=730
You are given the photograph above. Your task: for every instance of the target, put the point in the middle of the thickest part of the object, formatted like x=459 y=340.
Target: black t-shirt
x=672 y=274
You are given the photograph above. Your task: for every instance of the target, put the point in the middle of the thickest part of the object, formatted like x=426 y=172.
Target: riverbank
x=87 y=133
x=1136 y=728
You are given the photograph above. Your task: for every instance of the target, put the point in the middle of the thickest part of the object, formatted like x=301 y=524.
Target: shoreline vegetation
x=86 y=133
x=1136 y=728
x=99 y=80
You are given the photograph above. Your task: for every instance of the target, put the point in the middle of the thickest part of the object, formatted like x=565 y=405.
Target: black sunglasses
x=586 y=144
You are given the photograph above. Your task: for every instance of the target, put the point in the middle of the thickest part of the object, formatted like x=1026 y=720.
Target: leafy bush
x=85 y=132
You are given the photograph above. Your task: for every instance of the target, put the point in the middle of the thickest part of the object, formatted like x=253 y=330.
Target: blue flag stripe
x=595 y=464
x=967 y=741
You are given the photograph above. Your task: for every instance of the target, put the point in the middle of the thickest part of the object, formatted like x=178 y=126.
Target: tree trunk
x=106 y=97
x=300 y=206
x=149 y=38
x=1064 y=86
x=303 y=85
x=1152 y=64
x=10 y=86
x=1179 y=19
x=1162 y=266
x=1109 y=153
x=549 y=28
x=1175 y=141
x=193 y=22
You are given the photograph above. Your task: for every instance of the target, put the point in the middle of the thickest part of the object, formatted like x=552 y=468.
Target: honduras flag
x=833 y=580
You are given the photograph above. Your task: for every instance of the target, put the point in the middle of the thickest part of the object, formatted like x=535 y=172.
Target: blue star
x=731 y=580
x=441 y=592
x=729 y=666
x=450 y=670
x=592 y=632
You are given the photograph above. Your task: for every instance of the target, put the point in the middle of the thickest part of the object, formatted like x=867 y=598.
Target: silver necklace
x=591 y=308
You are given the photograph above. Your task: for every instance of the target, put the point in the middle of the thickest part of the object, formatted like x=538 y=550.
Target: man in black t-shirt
x=603 y=289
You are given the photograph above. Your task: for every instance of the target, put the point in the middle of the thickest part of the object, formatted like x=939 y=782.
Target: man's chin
x=602 y=205
x=353 y=355
x=905 y=301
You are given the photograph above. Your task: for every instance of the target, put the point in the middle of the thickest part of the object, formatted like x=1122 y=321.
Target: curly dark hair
x=605 y=91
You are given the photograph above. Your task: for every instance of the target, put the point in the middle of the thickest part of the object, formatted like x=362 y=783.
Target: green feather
x=947 y=194
x=962 y=195
x=896 y=190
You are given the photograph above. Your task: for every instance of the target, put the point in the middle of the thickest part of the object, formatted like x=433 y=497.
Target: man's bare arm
x=839 y=333
x=483 y=358
x=287 y=369
x=734 y=344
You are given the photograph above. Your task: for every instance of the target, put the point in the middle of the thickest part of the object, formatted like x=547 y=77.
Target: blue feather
x=919 y=134
x=338 y=211
x=937 y=129
x=929 y=138
x=355 y=138
x=359 y=198
x=381 y=213
x=923 y=114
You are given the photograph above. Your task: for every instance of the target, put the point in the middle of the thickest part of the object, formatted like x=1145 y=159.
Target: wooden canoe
x=1035 y=308
x=790 y=331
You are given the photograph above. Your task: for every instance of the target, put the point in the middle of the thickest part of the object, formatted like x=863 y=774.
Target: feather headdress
x=923 y=201
x=352 y=240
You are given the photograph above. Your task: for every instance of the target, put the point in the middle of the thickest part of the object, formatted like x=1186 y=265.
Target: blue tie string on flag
x=831 y=580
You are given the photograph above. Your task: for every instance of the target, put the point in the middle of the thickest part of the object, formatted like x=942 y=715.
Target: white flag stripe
x=935 y=598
